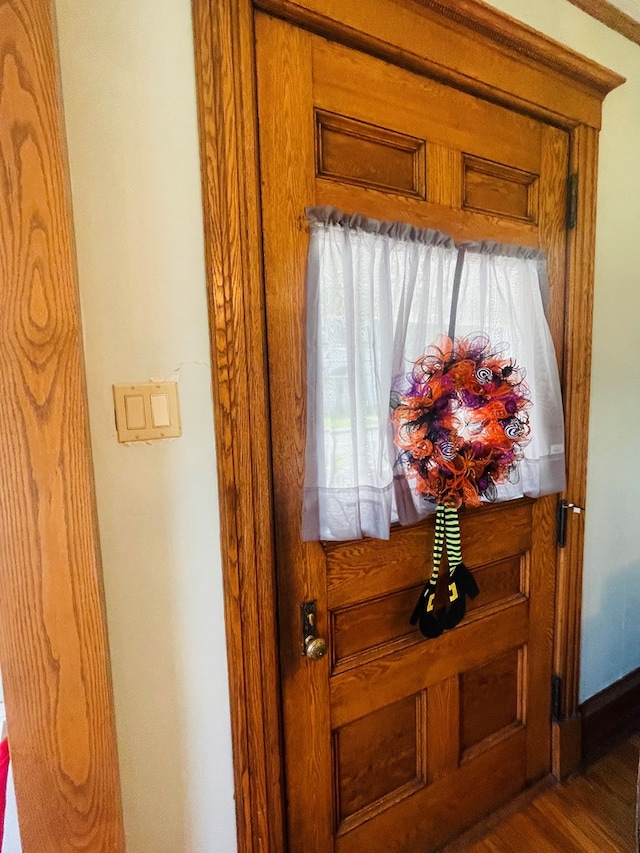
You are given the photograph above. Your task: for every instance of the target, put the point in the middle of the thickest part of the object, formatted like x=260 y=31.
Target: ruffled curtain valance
x=378 y=294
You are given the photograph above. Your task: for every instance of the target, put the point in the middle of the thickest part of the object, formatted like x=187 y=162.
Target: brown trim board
x=223 y=31
x=529 y=71
x=610 y=715
x=53 y=636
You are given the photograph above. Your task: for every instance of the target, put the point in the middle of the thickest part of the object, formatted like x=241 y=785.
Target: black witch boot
x=427 y=594
x=432 y=624
x=429 y=621
x=461 y=584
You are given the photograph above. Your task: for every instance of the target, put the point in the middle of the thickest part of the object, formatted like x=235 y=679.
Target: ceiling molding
x=613 y=17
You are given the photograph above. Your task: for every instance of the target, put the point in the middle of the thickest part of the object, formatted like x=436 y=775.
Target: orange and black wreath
x=460 y=424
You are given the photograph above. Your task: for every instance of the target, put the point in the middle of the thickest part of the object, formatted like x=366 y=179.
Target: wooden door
x=394 y=742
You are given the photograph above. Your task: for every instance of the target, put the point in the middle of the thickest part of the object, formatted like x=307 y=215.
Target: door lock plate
x=313 y=647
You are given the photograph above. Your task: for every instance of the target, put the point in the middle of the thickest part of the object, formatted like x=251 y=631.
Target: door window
x=378 y=295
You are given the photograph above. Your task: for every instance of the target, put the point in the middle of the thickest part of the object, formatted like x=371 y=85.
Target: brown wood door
x=393 y=742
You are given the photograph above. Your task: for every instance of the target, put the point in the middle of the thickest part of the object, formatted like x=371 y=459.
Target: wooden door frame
x=53 y=635
x=545 y=80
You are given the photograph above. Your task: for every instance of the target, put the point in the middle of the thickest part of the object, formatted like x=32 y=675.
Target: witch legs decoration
x=460 y=425
x=433 y=622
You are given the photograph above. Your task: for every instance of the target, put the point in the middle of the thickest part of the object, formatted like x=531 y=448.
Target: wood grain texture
x=223 y=35
x=320 y=703
x=430 y=110
x=368 y=567
x=444 y=176
x=613 y=17
x=379 y=625
x=541 y=598
x=459 y=224
x=490 y=698
x=576 y=383
x=53 y=641
x=553 y=214
x=494 y=188
x=488 y=782
x=412 y=669
x=361 y=153
x=283 y=55
x=569 y=93
x=371 y=625
x=526 y=67
x=591 y=813
x=566 y=742
x=443 y=728
x=387 y=741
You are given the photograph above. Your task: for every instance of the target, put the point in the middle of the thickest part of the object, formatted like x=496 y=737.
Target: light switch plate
x=147 y=411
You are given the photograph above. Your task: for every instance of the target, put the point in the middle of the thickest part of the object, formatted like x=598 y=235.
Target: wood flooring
x=594 y=812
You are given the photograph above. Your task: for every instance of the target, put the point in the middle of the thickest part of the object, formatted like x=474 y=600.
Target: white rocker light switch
x=147 y=411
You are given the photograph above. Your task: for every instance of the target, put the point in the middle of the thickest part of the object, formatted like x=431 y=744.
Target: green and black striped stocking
x=461 y=581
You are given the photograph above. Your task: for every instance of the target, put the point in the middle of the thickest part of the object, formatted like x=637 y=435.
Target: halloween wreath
x=460 y=428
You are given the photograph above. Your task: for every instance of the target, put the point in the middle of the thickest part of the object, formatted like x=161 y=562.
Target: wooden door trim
x=231 y=208
x=529 y=71
x=225 y=69
x=566 y=732
x=53 y=636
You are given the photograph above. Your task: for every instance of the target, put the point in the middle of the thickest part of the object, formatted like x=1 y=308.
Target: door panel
x=392 y=742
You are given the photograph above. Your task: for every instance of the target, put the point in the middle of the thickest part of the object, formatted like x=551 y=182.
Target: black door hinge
x=572 y=200
x=561 y=520
x=556 y=698
x=561 y=523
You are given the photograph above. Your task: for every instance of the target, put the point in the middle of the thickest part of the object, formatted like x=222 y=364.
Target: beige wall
x=128 y=84
x=611 y=627
x=129 y=91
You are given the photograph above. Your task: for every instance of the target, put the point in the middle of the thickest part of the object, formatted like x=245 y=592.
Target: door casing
x=511 y=64
x=54 y=647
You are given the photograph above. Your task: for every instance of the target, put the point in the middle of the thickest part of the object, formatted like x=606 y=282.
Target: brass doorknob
x=315 y=647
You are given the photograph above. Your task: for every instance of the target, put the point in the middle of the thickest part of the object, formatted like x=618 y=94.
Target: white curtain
x=378 y=294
